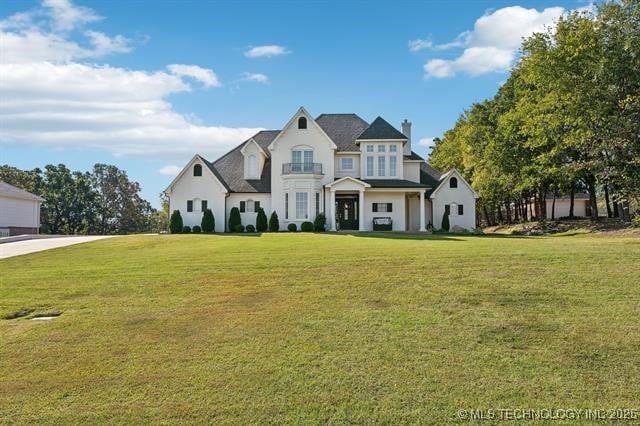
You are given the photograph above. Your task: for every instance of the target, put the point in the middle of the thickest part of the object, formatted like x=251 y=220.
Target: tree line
x=566 y=120
x=101 y=201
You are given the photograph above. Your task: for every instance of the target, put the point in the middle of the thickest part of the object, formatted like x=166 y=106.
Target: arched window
x=252 y=166
x=453 y=182
x=302 y=123
x=197 y=170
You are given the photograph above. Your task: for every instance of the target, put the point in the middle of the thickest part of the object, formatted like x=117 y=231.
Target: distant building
x=19 y=211
x=581 y=207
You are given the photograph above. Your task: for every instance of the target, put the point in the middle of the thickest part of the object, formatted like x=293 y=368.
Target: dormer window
x=197 y=170
x=302 y=123
x=453 y=182
x=252 y=166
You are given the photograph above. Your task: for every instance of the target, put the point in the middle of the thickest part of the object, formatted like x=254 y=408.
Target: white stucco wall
x=460 y=195
x=248 y=217
x=205 y=187
x=250 y=148
x=18 y=212
x=292 y=137
x=412 y=171
x=397 y=215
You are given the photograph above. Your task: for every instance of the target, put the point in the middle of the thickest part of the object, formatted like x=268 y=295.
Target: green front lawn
x=306 y=328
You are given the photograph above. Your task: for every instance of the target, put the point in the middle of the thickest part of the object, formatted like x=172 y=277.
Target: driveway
x=31 y=246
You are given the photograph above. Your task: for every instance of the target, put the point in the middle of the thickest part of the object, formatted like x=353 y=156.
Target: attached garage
x=19 y=211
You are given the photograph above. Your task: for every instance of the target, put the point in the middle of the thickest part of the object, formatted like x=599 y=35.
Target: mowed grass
x=304 y=328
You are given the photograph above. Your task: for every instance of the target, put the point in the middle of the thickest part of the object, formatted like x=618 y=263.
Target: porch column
x=422 y=227
x=361 y=211
x=332 y=206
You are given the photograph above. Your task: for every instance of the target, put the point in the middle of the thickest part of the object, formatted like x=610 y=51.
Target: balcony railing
x=302 y=168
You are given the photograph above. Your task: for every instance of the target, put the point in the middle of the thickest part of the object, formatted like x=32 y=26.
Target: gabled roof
x=15 y=192
x=230 y=171
x=343 y=129
x=413 y=157
x=380 y=129
x=443 y=180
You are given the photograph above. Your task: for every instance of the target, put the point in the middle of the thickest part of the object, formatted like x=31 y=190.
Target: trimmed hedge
x=239 y=229
x=445 y=221
x=292 y=227
x=186 y=229
x=208 y=221
x=234 y=219
x=261 y=221
x=175 y=223
x=250 y=228
x=319 y=222
x=196 y=229
x=306 y=227
x=274 y=223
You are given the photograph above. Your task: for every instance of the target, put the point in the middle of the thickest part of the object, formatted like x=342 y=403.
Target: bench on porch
x=382 y=224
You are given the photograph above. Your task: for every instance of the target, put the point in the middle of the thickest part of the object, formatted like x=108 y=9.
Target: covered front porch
x=365 y=205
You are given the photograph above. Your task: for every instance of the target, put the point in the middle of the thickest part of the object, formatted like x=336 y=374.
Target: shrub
x=186 y=230
x=274 y=223
x=208 y=221
x=319 y=222
x=445 y=221
x=250 y=228
x=234 y=219
x=175 y=223
x=196 y=229
x=635 y=222
x=261 y=221
x=239 y=229
x=292 y=227
x=306 y=227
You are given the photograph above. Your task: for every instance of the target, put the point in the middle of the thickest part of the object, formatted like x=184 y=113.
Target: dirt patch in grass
x=17 y=314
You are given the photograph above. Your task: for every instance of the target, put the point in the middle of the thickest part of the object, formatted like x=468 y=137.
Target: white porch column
x=332 y=206
x=361 y=211
x=422 y=227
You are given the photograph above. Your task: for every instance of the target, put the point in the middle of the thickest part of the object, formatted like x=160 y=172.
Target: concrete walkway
x=31 y=246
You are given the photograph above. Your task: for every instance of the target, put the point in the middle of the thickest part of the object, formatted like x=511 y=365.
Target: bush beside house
x=445 y=221
x=274 y=223
x=307 y=227
x=208 y=223
x=261 y=221
x=234 y=219
x=175 y=223
x=319 y=222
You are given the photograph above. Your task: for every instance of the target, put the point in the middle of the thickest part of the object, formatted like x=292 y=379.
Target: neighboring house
x=19 y=211
x=336 y=164
x=581 y=207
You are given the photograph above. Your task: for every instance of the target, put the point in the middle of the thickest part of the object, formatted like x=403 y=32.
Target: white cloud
x=256 y=77
x=419 y=44
x=49 y=99
x=266 y=51
x=203 y=75
x=170 y=170
x=493 y=43
x=426 y=142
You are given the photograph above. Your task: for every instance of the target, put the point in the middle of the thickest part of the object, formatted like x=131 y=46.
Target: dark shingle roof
x=380 y=129
x=343 y=129
x=228 y=168
x=413 y=156
x=394 y=183
x=429 y=176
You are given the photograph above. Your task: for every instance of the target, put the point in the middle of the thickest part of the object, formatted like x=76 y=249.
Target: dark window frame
x=460 y=210
x=203 y=205
x=302 y=123
x=453 y=182
x=197 y=170
x=189 y=206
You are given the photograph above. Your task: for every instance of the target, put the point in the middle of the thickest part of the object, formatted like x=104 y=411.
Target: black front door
x=347 y=213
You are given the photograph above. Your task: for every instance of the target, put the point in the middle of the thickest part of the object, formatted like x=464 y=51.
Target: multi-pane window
x=393 y=148
x=369 y=148
x=382 y=148
x=302 y=200
x=393 y=165
x=189 y=205
x=204 y=205
x=369 y=165
x=382 y=207
x=302 y=160
x=346 y=163
x=317 y=203
x=381 y=167
x=460 y=210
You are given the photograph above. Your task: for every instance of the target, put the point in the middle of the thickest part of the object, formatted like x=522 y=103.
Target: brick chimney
x=406 y=130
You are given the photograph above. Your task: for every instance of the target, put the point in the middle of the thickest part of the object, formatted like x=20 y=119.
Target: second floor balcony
x=302 y=168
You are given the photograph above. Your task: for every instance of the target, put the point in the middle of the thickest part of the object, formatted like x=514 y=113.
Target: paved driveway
x=31 y=246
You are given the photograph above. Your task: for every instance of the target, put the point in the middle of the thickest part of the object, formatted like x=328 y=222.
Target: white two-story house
x=337 y=164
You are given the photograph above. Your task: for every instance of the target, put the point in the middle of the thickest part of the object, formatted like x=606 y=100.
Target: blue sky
x=145 y=85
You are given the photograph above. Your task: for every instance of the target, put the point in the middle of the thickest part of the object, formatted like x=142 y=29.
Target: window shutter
x=189 y=205
x=460 y=210
x=204 y=205
x=256 y=206
x=242 y=206
x=389 y=207
x=375 y=207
